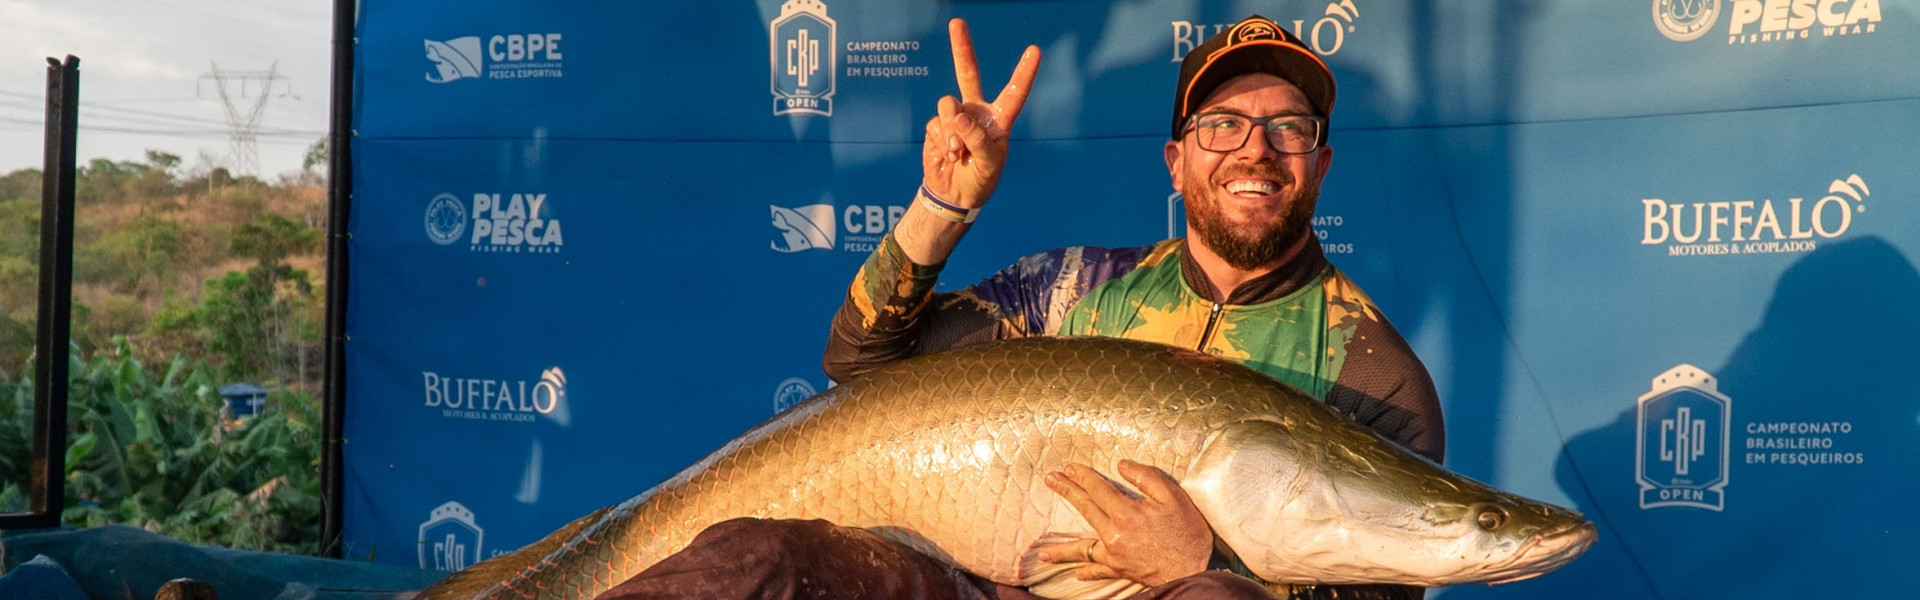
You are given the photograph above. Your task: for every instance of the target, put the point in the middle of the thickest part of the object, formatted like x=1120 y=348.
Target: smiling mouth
x=1251 y=188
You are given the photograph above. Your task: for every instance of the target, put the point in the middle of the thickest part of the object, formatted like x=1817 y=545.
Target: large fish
x=945 y=453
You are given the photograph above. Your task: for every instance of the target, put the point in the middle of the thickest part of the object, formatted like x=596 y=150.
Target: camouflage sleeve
x=1386 y=387
x=891 y=312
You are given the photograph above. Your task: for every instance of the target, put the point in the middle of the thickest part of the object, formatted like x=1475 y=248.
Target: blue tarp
x=1659 y=262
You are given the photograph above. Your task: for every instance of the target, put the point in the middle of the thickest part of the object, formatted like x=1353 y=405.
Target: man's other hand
x=1152 y=540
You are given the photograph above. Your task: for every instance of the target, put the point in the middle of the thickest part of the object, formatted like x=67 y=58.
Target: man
x=1249 y=283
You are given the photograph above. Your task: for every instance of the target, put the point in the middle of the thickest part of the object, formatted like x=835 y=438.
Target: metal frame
x=339 y=201
x=47 y=496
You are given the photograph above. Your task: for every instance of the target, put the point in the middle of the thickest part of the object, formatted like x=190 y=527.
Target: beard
x=1249 y=246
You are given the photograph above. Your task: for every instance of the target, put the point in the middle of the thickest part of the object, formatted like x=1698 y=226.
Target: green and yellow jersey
x=1305 y=324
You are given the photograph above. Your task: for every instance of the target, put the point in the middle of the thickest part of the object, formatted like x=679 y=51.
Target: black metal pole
x=56 y=295
x=339 y=201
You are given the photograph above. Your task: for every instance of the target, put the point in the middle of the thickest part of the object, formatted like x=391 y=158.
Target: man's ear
x=1173 y=156
x=1326 y=162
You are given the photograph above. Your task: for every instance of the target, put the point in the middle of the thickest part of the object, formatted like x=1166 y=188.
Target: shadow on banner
x=1838 y=344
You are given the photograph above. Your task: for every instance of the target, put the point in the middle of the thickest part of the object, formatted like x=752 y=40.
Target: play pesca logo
x=1765 y=226
x=507 y=56
x=791 y=391
x=522 y=223
x=1766 y=21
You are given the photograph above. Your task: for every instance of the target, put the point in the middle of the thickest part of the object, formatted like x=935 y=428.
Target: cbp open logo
x=522 y=223
x=1681 y=450
x=449 y=539
x=802 y=51
x=511 y=56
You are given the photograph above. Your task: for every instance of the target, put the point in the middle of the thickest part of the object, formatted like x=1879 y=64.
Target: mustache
x=1253 y=170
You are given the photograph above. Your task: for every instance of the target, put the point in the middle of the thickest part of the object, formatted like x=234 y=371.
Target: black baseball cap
x=1254 y=45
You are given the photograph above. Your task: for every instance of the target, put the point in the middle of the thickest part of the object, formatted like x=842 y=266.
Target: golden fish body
x=946 y=453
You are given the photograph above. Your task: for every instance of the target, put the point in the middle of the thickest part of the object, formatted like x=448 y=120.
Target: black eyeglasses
x=1227 y=132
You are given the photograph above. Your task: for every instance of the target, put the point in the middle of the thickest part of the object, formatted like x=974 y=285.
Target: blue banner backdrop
x=1657 y=261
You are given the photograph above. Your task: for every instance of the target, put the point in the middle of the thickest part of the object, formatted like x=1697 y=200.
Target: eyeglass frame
x=1319 y=137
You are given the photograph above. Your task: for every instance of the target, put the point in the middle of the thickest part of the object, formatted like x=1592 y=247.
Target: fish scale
x=945 y=454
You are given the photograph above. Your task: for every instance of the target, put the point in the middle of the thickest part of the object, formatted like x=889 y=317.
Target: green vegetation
x=154 y=450
x=217 y=278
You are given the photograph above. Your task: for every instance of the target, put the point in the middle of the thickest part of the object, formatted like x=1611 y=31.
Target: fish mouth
x=1544 y=552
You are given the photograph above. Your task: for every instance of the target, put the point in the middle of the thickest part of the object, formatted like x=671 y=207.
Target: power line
x=130 y=113
x=287 y=135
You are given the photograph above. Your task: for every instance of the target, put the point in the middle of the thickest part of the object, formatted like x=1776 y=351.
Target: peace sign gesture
x=966 y=143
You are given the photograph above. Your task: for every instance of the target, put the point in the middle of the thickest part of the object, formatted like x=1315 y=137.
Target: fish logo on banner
x=791 y=392
x=455 y=59
x=805 y=228
x=449 y=539
x=803 y=52
x=516 y=56
x=1681 y=450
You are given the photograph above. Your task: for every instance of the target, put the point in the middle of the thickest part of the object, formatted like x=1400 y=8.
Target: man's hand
x=966 y=144
x=1150 y=540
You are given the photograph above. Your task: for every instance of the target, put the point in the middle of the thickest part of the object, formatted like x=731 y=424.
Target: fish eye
x=1491 y=518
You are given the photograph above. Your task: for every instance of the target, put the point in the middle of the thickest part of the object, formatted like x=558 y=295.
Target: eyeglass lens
x=1226 y=132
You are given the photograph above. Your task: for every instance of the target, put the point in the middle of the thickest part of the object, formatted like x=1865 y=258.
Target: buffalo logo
x=454 y=59
x=446 y=219
x=802 y=51
x=791 y=392
x=1681 y=449
x=1685 y=20
x=805 y=228
x=449 y=539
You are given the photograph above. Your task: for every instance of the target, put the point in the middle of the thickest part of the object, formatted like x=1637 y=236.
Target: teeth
x=1257 y=187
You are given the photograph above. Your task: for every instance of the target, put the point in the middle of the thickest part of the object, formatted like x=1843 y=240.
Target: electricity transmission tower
x=243 y=122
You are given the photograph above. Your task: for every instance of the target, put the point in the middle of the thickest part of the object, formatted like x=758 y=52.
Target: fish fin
x=473 y=580
x=1056 y=580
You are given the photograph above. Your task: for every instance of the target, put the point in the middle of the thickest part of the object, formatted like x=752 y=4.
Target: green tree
x=255 y=320
x=316 y=156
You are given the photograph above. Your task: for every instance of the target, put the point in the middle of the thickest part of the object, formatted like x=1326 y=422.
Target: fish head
x=1349 y=507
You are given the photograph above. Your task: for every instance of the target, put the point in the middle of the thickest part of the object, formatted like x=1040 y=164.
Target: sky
x=145 y=77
